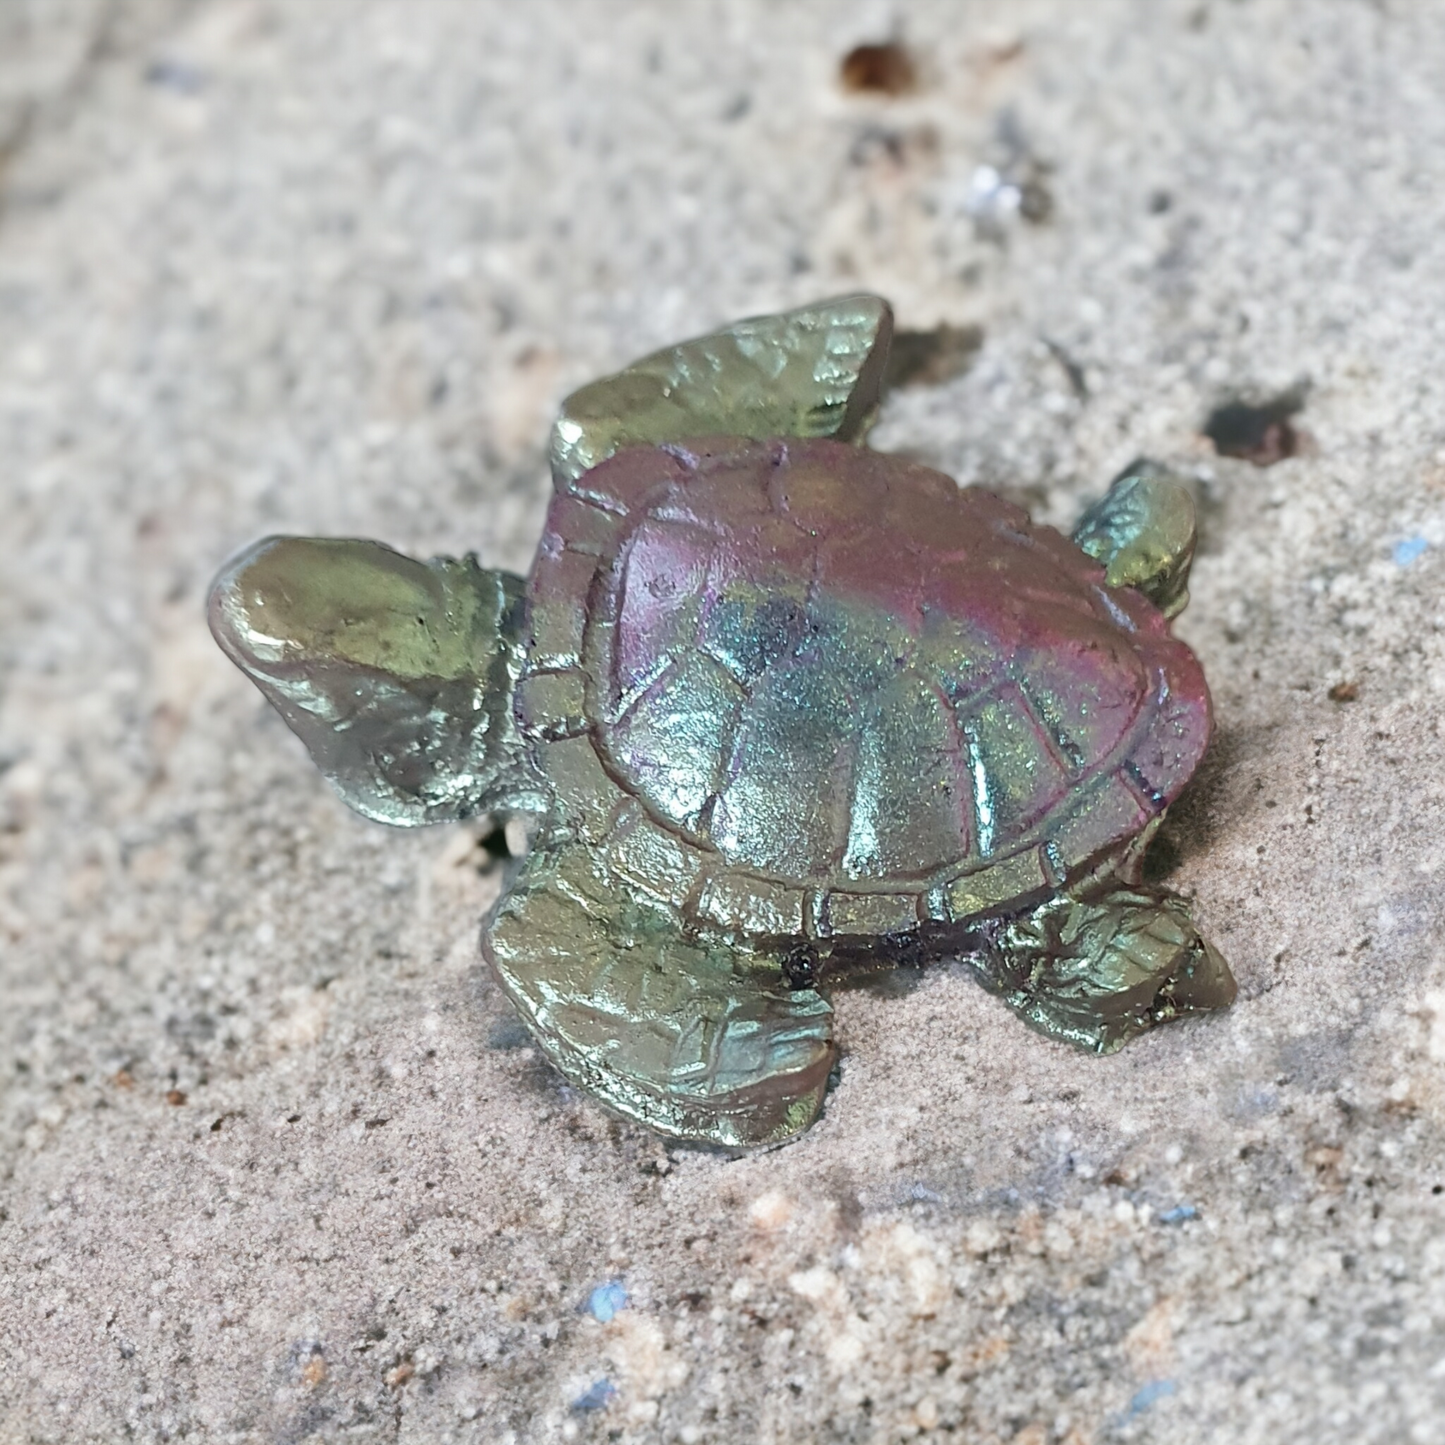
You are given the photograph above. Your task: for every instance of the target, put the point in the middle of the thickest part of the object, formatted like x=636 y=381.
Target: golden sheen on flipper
x=780 y=705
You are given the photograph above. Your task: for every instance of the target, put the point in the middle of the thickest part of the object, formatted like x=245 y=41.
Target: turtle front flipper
x=814 y=372
x=698 y=1041
x=1142 y=530
x=398 y=675
x=1097 y=971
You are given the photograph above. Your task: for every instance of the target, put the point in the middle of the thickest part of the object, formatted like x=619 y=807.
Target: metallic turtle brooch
x=779 y=706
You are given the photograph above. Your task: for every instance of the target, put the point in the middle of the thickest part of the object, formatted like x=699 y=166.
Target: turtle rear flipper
x=694 y=1040
x=398 y=675
x=1143 y=530
x=1100 y=969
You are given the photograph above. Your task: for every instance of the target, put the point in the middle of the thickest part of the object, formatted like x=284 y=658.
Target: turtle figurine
x=777 y=707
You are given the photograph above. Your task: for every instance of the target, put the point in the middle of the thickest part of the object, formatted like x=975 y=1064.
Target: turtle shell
x=802 y=666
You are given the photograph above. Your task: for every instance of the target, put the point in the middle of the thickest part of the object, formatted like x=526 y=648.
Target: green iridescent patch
x=1142 y=530
x=813 y=372
x=398 y=675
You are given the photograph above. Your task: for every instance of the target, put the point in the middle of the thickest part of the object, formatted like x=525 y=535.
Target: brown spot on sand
x=885 y=69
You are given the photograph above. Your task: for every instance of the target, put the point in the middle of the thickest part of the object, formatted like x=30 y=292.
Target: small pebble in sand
x=771 y=1210
x=607 y=1301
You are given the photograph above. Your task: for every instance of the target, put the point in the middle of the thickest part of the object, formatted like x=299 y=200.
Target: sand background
x=275 y=1161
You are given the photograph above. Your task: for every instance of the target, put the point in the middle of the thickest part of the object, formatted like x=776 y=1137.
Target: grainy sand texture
x=276 y=1162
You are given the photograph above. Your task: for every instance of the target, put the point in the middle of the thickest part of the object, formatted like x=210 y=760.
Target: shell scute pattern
x=624 y=490
x=836 y=670
x=674 y=734
x=908 y=747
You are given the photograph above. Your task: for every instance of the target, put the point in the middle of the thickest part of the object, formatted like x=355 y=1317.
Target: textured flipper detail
x=814 y=372
x=1142 y=530
x=398 y=675
x=697 y=1041
x=1099 y=971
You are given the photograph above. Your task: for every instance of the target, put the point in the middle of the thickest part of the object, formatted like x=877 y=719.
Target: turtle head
x=398 y=675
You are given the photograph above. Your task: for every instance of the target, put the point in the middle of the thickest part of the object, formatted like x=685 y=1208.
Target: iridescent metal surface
x=396 y=674
x=813 y=372
x=780 y=705
x=1098 y=970
x=689 y=1035
x=832 y=668
x=1142 y=530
